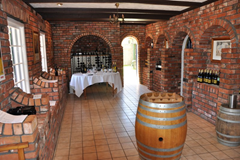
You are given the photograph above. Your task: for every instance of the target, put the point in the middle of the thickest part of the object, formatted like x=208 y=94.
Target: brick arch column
x=88 y=34
x=190 y=59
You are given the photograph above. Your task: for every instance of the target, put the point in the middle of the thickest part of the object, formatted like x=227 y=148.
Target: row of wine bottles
x=208 y=76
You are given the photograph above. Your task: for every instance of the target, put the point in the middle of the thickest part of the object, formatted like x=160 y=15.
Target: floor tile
x=220 y=155
x=117 y=153
x=102 y=127
x=104 y=155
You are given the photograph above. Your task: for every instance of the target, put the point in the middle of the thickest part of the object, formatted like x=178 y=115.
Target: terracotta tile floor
x=102 y=127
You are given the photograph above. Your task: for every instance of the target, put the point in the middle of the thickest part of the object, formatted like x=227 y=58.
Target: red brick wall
x=33 y=22
x=205 y=101
x=218 y=19
x=49 y=45
x=90 y=44
x=63 y=39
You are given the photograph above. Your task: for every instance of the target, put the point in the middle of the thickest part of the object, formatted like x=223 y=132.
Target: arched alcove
x=90 y=43
x=148 y=42
x=205 y=44
x=162 y=42
x=90 y=51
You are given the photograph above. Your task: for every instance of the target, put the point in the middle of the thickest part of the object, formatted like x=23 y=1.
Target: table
x=80 y=81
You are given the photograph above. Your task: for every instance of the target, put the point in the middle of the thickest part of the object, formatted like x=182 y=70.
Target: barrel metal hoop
x=228 y=136
x=230 y=113
x=162 y=126
x=228 y=143
x=158 y=149
x=157 y=105
x=143 y=158
x=229 y=110
x=162 y=119
x=160 y=156
x=162 y=111
x=226 y=120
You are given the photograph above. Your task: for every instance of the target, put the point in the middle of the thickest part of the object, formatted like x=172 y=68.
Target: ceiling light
x=59 y=4
x=115 y=17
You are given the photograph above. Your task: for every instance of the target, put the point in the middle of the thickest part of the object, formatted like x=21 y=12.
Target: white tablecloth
x=81 y=81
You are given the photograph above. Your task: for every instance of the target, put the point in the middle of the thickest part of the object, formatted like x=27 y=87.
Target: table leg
x=85 y=93
x=113 y=89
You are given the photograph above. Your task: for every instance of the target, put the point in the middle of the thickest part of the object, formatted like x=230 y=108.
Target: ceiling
x=135 y=11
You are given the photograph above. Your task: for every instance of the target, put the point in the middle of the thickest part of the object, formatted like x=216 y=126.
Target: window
x=18 y=54
x=43 y=52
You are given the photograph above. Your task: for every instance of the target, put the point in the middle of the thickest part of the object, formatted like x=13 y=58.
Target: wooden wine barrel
x=161 y=126
x=228 y=126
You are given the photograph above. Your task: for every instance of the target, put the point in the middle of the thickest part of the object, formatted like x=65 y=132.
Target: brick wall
x=205 y=101
x=32 y=22
x=90 y=44
x=63 y=39
x=218 y=19
x=47 y=130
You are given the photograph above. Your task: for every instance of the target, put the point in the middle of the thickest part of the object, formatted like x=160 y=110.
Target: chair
x=18 y=146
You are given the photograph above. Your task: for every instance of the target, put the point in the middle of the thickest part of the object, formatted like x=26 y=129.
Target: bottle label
x=215 y=81
x=209 y=81
x=200 y=79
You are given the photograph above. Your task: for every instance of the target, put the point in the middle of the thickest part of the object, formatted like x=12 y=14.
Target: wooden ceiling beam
x=105 y=11
x=136 y=22
x=156 y=2
x=103 y=16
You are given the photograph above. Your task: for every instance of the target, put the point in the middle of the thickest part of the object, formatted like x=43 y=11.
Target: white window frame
x=24 y=70
x=43 y=51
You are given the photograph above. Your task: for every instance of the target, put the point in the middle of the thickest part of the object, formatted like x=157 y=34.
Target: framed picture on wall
x=36 y=47
x=2 y=74
x=217 y=45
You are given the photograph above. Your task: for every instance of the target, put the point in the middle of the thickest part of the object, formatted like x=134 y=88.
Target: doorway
x=130 y=60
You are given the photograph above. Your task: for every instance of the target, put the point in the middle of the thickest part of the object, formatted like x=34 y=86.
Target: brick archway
x=87 y=34
x=162 y=33
x=224 y=24
x=188 y=32
x=138 y=48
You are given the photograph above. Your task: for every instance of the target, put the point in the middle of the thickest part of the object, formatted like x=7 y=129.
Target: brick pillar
x=151 y=66
x=141 y=65
x=170 y=70
x=193 y=59
x=230 y=75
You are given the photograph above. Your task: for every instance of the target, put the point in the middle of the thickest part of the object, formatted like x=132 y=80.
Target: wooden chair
x=18 y=146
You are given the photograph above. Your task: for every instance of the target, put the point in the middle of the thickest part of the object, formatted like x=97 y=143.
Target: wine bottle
x=201 y=76
x=204 y=76
x=114 y=68
x=214 y=81
x=56 y=71
x=198 y=77
x=218 y=79
x=210 y=77
x=189 y=43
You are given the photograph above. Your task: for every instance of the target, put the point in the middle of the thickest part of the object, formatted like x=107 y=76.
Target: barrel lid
x=225 y=107
x=171 y=104
x=161 y=97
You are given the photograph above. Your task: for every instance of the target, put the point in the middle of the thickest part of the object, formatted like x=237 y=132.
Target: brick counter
x=204 y=101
